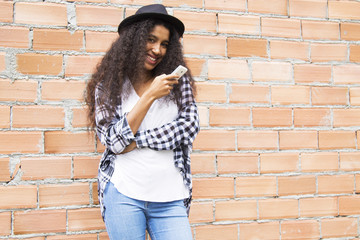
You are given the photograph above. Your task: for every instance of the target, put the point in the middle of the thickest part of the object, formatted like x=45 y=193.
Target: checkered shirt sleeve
x=177 y=133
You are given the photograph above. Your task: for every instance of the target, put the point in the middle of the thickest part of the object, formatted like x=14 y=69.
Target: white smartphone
x=180 y=71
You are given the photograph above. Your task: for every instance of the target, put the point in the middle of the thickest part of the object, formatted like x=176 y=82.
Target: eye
x=151 y=40
x=165 y=44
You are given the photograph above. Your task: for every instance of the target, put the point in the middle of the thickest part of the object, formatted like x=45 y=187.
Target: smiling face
x=156 y=46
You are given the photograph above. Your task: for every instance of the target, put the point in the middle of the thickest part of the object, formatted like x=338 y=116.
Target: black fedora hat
x=157 y=11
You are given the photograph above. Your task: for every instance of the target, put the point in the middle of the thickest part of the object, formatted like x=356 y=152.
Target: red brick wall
x=278 y=93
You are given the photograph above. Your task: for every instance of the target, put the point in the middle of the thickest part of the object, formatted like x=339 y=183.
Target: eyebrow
x=151 y=35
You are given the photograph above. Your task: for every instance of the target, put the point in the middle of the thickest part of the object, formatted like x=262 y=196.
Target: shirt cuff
x=140 y=139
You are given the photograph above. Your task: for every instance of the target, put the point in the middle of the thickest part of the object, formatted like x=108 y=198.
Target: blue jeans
x=127 y=218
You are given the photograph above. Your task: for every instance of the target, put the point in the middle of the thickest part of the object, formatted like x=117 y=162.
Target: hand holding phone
x=179 y=71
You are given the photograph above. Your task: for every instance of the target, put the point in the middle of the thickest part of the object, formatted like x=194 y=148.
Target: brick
x=99 y=147
x=298 y=139
x=19 y=90
x=252 y=140
x=228 y=69
x=318 y=206
x=98 y=16
x=85 y=219
x=5 y=220
x=272 y=117
x=279 y=162
x=355 y=96
x=14 y=37
x=103 y=236
x=204 y=45
x=40 y=221
x=201 y=212
x=238 y=47
x=203 y=116
x=37 y=117
x=349 y=205
x=350 y=31
x=344 y=9
x=210 y=92
x=79 y=117
x=53 y=195
x=214 y=232
x=271 y=72
x=4 y=170
x=235 y=24
x=39 y=168
x=233 y=5
x=20 y=196
x=203 y=163
x=346 y=74
x=41 y=13
x=197 y=21
x=326 y=52
x=320 y=30
x=235 y=210
x=278 y=208
x=289 y=50
x=95 y=193
x=99 y=41
x=272 y=6
x=290 y=95
x=354 y=53
x=335 y=184
x=211 y=140
x=263 y=230
x=310 y=73
x=338 y=227
x=70 y=90
x=69 y=142
x=296 y=185
x=218 y=187
x=6 y=11
x=262 y=186
x=357 y=183
x=237 y=163
x=319 y=162
x=176 y=3
x=280 y=27
x=4 y=116
x=80 y=65
x=300 y=229
x=311 y=117
x=196 y=66
x=346 y=117
x=233 y=116
x=329 y=95
x=2 y=61
x=20 y=142
x=86 y=166
x=337 y=139
x=73 y=237
x=306 y=8
x=57 y=39
x=39 y=64
x=350 y=161
x=134 y=2
x=249 y=94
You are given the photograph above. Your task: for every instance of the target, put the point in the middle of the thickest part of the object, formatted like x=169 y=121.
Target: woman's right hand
x=162 y=85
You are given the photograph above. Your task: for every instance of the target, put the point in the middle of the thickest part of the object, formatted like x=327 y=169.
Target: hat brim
x=178 y=25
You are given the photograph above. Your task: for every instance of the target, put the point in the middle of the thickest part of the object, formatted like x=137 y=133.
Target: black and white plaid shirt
x=177 y=135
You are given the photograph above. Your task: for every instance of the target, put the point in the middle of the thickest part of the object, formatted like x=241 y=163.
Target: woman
x=147 y=119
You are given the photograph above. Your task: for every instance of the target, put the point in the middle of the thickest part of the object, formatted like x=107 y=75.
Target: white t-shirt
x=145 y=174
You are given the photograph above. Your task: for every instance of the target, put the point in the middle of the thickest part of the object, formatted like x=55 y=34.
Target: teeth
x=152 y=59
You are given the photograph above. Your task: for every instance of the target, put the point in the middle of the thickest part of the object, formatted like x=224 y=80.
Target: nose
x=156 y=49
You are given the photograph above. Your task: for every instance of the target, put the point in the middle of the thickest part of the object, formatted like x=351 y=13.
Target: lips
x=151 y=59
